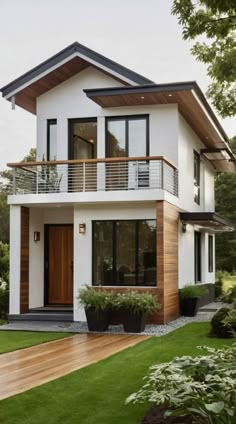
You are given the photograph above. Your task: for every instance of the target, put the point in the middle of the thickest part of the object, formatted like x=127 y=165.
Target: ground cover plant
x=96 y=394
x=13 y=340
x=203 y=387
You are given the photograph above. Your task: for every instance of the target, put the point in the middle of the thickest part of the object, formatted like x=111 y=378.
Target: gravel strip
x=81 y=327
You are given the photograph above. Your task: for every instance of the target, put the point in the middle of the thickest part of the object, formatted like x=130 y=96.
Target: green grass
x=229 y=281
x=13 y=340
x=96 y=394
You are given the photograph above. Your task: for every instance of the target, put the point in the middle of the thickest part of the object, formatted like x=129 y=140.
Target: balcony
x=94 y=175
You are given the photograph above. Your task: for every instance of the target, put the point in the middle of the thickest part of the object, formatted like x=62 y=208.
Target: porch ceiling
x=209 y=221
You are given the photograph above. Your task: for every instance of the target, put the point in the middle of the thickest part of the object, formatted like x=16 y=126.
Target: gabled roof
x=59 y=68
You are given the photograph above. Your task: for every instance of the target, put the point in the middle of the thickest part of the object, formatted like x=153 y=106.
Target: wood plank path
x=27 y=368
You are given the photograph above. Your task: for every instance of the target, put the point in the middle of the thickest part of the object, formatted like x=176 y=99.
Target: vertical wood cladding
x=24 y=261
x=167 y=261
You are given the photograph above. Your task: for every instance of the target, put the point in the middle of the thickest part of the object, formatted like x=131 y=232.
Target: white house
x=122 y=193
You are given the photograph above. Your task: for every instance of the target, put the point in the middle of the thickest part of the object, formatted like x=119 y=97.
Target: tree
x=225 y=186
x=216 y=20
x=5 y=190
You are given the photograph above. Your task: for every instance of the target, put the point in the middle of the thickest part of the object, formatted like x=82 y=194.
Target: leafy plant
x=230 y=321
x=217 y=323
x=4 y=279
x=229 y=296
x=203 y=387
x=99 y=299
x=191 y=290
x=135 y=302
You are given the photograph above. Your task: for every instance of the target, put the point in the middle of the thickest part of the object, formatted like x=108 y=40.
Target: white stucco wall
x=15 y=244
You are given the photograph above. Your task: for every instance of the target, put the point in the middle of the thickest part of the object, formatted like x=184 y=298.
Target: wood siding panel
x=24 y=261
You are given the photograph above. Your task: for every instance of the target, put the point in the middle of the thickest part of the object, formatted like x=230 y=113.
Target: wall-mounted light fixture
x=36 y=236
x=184 y=227
x=82 y=228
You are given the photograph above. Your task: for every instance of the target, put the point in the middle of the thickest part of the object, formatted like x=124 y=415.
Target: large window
x=52 y=139
x=124 y=253
x=196 y=182
x=210 y=253
x=127 y=136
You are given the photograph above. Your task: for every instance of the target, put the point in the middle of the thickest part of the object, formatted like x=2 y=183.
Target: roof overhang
x=207 y=221
x=192 y=105
x=58 y=68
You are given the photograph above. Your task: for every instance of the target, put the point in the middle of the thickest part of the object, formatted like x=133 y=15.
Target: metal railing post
x=84 y=176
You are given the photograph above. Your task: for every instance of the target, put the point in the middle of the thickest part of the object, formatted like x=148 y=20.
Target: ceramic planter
x=188 y=306
x=134 y=322
x=97 y=320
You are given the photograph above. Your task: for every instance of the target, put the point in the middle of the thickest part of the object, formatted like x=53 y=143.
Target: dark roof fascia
x=205 y=216
x=147 y=88
x=63 y=54
x=156 y=88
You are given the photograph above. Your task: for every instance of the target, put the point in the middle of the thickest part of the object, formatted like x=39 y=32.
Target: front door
x=59 y=264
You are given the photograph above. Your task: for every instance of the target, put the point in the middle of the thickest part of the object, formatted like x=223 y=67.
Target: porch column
x=15 y=249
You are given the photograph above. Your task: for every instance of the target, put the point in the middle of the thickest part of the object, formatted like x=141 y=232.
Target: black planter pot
x=97 y=320
x=134 y=322
x=188 y=306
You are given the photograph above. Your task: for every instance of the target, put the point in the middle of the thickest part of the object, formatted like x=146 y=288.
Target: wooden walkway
x=27 y=368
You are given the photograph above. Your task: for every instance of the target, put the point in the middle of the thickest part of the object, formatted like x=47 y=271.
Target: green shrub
x=191 y=290
x=229 y=296
x=4 y=279
x=136 y=302
x=230 y=321
x=219 y=284
x=203 y=387
x=217 y=323
x=99 y=299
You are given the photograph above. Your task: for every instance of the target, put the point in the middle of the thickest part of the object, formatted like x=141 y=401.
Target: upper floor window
x=51 y=139
x=127 y=136
x=196 y=188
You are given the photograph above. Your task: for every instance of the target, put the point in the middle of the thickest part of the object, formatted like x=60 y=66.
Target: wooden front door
x=60 y=264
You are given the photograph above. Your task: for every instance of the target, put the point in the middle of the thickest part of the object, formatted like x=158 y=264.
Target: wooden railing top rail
x=97 y=160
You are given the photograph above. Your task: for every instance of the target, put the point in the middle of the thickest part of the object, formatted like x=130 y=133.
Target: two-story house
x=122 y=192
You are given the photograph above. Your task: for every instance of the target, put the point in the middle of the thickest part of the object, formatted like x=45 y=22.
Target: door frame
x=46 y=257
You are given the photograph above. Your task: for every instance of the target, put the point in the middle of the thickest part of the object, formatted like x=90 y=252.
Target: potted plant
x=134 y=307
x=97 y=304
x=189 y=296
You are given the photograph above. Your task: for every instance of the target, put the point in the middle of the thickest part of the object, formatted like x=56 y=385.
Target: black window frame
x=49 y=123
x=197 y=257
x=114 y=232
x=72 y=121
x=197 y=176
x=126 y=118
x=210 y=252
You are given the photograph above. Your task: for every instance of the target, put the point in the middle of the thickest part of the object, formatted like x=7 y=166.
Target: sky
x=139 y=34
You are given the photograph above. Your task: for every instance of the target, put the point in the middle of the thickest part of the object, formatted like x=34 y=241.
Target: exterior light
x=82 y=228
x=142 y=97
x=36 y=236
x=184 y=227
x=170 y=95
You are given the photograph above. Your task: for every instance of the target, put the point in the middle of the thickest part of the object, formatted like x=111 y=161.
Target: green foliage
x=135 y=302
x=4 y=279
x=230 y=321
x=218 y=326
x=5 y=190
x=203 y=386
x=216 y=20
x=219 y=284
x=99 y=299
x=229 y=296
x=225 y=194
x=190 y=291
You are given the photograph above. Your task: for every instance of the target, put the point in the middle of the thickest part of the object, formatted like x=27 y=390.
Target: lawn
x=13 y=340
x=96 y=394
